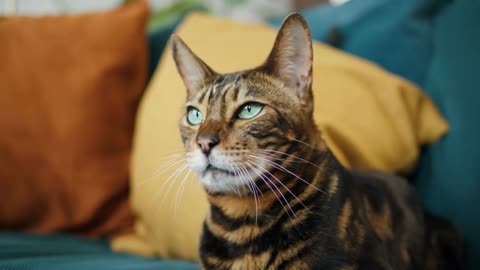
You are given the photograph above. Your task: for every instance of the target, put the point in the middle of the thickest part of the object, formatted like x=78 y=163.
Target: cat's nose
x=207 y=142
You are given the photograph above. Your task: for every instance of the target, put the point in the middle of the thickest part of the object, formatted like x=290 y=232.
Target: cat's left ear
x=291 y=57
x=193 y=70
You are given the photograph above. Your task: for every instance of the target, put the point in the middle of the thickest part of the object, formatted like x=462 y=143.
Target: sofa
x=432 y=43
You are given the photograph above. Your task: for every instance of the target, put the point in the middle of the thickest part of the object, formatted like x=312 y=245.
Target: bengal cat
x=279 y=199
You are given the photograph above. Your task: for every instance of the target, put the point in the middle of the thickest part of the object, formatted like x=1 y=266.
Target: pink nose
x=206 y=143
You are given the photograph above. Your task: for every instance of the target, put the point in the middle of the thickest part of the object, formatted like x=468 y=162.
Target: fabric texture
x=449 y=177
x=394 y=34
x=70 y=87
x=371 y=119
x=60 y=252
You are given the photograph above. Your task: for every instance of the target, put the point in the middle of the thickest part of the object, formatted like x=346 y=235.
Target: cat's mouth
x=215 y=170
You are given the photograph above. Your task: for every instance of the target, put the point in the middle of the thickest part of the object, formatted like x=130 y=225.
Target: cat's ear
x=192 y=69
x=291 y=57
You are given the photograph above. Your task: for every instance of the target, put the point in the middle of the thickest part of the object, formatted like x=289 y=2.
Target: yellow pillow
x=370 y=119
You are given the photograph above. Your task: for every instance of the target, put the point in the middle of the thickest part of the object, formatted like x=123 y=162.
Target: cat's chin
x=219 y=181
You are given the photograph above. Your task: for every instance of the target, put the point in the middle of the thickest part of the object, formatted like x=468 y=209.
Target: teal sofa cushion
x=449 y=172
x=394 y=34
x=59 y=252
x=162 y=24
x=157 y=41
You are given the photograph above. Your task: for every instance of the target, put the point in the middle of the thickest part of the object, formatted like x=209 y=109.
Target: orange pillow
x=69 y=91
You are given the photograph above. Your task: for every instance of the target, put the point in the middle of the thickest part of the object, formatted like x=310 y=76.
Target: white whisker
x=280 y=167
x=180 y=191
x=235 y=175
x=290 y=155
x=252 y=183
x=160 y=171
x=309 y=145
x=171 y=180
x=281 y=183
x=265 y=179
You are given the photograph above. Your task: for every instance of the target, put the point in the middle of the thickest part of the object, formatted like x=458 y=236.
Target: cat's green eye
x=194 y=116
x=250 y=110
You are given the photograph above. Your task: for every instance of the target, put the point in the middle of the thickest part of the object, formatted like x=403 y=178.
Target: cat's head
x=234 y=125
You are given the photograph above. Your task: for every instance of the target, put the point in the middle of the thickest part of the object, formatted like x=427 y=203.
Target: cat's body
x=278 y=197
x=358 y=222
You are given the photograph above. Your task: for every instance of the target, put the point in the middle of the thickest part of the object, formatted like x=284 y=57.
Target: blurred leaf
x=164 y=17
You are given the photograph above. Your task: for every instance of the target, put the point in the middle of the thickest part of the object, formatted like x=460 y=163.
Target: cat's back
x=392 y=213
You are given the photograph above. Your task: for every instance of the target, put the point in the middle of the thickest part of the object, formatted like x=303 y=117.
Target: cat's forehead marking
x=225 y=86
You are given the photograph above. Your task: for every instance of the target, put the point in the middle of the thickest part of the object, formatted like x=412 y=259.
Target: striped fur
x=278 y=197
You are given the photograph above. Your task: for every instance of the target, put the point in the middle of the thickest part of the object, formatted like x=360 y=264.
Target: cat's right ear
x=192 y=69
